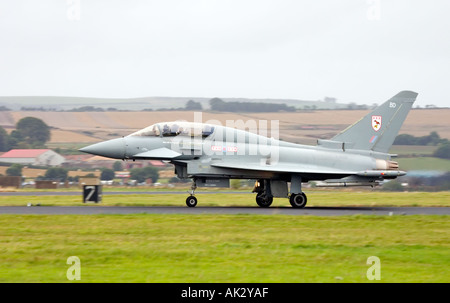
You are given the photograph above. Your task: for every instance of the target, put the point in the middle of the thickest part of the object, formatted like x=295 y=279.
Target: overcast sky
x=362 y=51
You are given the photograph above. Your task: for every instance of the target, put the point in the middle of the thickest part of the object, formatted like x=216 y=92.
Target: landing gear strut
x=191 y=201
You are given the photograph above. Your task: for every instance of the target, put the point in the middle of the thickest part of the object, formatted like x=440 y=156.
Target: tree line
x=30 y=132
x=218 y=104
x=433 y=139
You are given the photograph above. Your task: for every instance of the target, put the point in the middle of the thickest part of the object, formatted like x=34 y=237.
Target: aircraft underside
x=269 y=185
x=265 y=189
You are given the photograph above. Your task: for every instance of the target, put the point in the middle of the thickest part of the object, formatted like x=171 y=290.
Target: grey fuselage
x=223 y=152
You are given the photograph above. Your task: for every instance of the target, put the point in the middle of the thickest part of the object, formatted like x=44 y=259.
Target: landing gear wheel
x=298 y=200
x=191 y=201
x=263 y=200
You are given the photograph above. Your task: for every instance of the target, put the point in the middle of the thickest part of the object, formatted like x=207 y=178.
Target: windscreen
x=172 y=129
x=151 y=131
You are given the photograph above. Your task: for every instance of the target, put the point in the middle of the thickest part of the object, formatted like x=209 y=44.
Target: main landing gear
x=265 y=192
x=298 y=200
x=264 y=200
x=264 y=197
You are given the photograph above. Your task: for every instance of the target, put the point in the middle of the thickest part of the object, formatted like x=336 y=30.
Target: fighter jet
x=211 y=154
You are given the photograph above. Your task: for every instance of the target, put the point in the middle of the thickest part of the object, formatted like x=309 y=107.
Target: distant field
x=424 y=163
x=62 y=136
x=412 y=157
x=300 y=127
x=26 y=172
x=409 y=150
x=224 y=248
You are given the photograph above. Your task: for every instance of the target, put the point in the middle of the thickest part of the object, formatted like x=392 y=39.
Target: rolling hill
x=155 y=103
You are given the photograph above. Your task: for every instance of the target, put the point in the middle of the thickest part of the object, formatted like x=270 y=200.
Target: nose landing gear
x=191 y=201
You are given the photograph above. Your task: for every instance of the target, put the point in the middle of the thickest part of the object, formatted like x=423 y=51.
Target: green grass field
x=424 y=163
x=223 y=248
x=226 y=248
x=409 y=150
x=415 y=157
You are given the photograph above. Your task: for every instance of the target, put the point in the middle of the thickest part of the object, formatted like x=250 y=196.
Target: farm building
x=41 y=157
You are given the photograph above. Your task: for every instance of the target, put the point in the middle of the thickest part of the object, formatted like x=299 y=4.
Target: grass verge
x=223 y=248
x=315 y=198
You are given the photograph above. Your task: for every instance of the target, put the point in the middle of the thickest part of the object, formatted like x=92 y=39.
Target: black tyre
x=191 y=201
x=263 y=200
x=298 y=200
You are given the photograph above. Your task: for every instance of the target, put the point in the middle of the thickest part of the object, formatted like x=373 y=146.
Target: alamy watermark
x=374 y=271
x=373 y=10
x=74 y=271
x=237 y=137
x=73 y=12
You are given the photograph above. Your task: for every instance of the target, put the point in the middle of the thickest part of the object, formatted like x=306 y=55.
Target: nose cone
x=114 y=148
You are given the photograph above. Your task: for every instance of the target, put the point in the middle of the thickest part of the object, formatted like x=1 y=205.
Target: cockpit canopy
x=172 y=129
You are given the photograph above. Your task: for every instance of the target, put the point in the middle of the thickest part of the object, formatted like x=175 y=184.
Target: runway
x=312 y=211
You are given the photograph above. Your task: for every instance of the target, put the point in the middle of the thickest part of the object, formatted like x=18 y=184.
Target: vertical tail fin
x=377 y=130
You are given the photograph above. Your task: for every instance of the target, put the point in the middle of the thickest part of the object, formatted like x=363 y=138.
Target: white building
x=39 y=157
